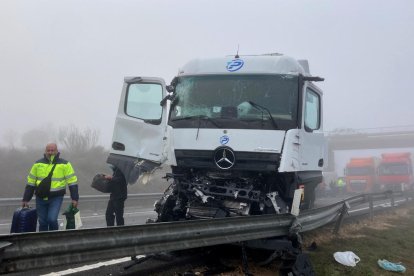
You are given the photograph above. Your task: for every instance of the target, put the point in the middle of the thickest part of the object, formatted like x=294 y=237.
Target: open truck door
x=138 y=142
x=312 y=144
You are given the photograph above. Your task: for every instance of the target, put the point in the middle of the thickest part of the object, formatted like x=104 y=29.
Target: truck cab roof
x=261 y=64
x=362 y=161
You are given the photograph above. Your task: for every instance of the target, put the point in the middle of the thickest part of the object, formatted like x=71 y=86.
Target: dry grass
x=382 y=221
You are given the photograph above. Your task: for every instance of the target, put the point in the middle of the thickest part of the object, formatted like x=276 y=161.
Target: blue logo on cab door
x=224 y=139
x=234 y=65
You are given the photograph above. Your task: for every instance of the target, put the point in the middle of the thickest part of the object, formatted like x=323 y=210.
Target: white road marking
x=385 y=205
x=91 y=266
x=98 y=216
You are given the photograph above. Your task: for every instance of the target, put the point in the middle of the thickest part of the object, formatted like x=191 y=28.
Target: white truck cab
x=240 y=133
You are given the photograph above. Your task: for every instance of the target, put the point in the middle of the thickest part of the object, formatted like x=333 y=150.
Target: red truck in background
x=361 y=175
x=395 y=171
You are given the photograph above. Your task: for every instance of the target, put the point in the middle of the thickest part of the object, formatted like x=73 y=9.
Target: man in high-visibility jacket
x=63 y=175
x=340 y=183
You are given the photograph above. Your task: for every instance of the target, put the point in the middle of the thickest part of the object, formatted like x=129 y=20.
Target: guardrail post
x=344 y=211
x=371 y=207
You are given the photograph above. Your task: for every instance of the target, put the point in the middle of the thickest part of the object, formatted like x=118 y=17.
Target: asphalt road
x=95 y=219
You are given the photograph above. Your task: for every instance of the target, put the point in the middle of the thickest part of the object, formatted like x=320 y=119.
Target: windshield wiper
x=262 y=108
x=198 y=117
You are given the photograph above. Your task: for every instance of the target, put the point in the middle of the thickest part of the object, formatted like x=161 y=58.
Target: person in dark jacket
x=118 y=189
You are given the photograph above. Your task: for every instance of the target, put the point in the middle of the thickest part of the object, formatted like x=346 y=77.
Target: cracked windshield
x=259 y=100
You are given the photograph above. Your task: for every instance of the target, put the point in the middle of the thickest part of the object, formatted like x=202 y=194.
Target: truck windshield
x=393 y=169
x=236 y=101
x=359 y=171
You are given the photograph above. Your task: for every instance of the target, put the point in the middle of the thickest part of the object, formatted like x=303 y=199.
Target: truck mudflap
x=132 y=168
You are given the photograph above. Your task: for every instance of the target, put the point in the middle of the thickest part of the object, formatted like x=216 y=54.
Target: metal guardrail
x=19 y=252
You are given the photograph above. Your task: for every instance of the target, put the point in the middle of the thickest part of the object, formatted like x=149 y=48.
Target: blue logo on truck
x=224 y=139
x=234 y=65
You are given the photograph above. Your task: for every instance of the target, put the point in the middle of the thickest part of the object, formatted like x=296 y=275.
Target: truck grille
x=358 y=185
x=252 y=161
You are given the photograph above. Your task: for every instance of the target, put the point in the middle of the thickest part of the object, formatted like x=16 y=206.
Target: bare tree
x=76 y=140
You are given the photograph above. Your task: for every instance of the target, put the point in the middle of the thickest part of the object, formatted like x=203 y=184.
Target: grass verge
x=390 y=236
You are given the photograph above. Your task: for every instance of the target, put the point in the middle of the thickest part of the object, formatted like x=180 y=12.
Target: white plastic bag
x=78 y=221
x=347 y=258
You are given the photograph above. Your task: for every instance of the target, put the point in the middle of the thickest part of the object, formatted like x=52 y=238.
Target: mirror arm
x=166 y=98
x=311 y=78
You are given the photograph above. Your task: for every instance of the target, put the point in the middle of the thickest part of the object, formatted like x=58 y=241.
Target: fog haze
x=63 y=62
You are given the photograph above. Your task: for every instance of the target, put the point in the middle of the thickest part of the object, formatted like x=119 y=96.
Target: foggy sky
x=63 y=62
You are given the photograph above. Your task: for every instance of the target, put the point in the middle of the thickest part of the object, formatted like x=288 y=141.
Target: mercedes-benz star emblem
x=224 y=158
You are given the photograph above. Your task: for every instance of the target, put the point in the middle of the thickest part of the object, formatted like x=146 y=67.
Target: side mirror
x=170 y=88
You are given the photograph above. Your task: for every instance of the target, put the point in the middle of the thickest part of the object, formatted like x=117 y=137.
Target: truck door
x=138 y=142
x=312 y=142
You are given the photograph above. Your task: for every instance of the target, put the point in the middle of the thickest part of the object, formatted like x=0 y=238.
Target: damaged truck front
x=241 y=134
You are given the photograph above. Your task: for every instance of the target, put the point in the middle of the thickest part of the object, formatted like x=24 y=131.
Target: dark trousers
x=115 y=209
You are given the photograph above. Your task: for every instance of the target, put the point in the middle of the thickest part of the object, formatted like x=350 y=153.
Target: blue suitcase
x=24 y=220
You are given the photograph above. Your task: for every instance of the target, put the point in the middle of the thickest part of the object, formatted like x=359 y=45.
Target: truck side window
x=312 y=110
x=143 y=101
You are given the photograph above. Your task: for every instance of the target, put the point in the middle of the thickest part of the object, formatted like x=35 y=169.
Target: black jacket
x=118 y=186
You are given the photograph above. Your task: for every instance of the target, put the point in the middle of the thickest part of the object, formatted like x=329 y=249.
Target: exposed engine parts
x=204 y=194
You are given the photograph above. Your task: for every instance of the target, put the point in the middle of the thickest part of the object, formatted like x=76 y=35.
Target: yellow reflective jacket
x=63 y=175
x=340 y=183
